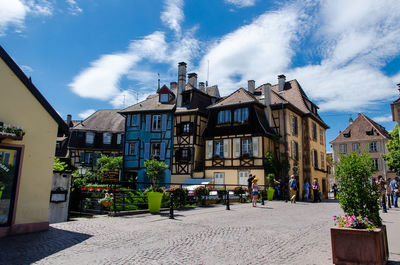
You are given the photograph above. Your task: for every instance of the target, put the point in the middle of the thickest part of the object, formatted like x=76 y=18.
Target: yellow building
x=26 y=161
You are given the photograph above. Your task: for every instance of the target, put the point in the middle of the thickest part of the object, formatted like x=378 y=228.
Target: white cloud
x=172 y=15
x=86 y=113
x=73 y=7
x=387 y=118
x=241 y=3
x=26 y=69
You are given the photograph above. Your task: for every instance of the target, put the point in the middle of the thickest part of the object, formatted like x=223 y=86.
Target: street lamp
x=82 y=170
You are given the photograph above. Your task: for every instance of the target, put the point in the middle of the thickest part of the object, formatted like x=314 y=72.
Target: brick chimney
x=281 y=82
x=181 y=82
x=251 y=86
x=69 y=120
x=193 y=79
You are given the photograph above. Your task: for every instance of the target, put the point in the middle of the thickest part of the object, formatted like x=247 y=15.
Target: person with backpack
x=293 y=189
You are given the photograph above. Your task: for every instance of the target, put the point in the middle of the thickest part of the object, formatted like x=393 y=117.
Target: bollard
x=227 y=200
x=262 y=198
x=171 y=206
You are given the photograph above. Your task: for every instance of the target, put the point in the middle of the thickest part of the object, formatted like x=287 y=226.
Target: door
x=219 y=180
x=243 y=176
x=9 y=165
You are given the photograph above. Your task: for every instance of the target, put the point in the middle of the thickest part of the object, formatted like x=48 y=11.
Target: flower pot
x=270 y=193
x=106 y=203
x=359 y=246
x=154 y=201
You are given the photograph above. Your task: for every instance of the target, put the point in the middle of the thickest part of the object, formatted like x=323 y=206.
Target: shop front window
x=9 y=164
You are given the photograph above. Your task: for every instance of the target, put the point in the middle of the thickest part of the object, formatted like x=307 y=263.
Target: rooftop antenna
x=158 y=80
x=208 y=72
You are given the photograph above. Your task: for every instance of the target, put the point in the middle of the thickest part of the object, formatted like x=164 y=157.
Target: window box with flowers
x=13 y=132
x=359 y=237
x=107 y=201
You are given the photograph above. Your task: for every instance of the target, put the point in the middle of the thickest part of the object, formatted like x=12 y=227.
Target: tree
x=278 y=167
x=393 y=157
x=109 y=163
x=358 y=195
x=155 y=170
x=58 y=165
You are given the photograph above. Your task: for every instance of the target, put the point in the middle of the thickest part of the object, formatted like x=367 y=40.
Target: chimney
x=251 y=86
x=69 y=120
x=173 y=85
x=181 y=83
x=351 y=120
x=281 y=82
x=267 y=102
x=193 y=79
x=202 y=87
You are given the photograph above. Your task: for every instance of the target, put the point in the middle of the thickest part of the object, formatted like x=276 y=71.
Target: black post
x=114 y=203
x=227 y=199
x=262 y=197
x=123 y=200
x=171 y=206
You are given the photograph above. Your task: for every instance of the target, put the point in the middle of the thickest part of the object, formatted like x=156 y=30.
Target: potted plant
x=107 y=201
x=359 y=237
x=270 y=183
x=154 y=170
x=239 y=191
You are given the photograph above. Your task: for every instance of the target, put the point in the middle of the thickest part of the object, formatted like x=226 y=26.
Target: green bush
x=358 y=195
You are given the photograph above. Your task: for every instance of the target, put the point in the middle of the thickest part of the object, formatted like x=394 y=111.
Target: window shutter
x=82 y=157
x=95 y=158
x=255 y=146
x=209 y=148
x=164 y=119
x=128 y=120
x=126 y=149
x=146 y=151
x=148 y=123
x=377 y=146
x=292 y=148
x=237 y=147
x=226 y=148
x=136 y=148
x=162 y=151
x=227 y=116
x=312 y=158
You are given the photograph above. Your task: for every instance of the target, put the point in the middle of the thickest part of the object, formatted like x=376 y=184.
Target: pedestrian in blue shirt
x=395 y=191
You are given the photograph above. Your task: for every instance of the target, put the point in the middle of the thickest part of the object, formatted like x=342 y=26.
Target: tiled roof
x=240 y=96
x=213 y=91
x=151 y=103
x=104 y=121
x=357 y=131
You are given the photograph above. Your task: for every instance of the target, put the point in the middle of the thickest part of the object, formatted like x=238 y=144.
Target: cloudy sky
x=98 y=54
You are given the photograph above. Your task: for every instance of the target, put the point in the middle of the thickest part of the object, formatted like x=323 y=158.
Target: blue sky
x=98 y=54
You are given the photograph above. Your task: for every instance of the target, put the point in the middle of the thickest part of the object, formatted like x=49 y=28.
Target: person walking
x=254 y=188
x=382 y=189
x=306 y=187
x=389 y=193
x=316 y=188
x=249 y=185
x=293 y=189
x=334 y=189
x=395 y=191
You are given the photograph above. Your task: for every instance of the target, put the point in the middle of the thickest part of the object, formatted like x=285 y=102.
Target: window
x=155 y=150
x=86 y=158
x=224 y=116
x=295 y=150
x=5 y=157
x=186 y=128
x=241 y=115
x=219 y=148
x=185 y=154
x=132 y=151
x=135 y=120
x=107 y=138
x=314 y=131
x=89 y=137
x=293 y=125
x=119 y=138
x=375 y=161
x=356 y=147
x=314 y=154
x=321 y=136
x=243 y=176
x=246 y=147
x=343 y=148
x=156 y=124
x=322 y=160
x=373 y=147
x=164 y=98
x=219 y=178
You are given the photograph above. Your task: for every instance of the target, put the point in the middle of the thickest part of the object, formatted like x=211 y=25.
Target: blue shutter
x=162 y=151
x=148 y=123
x=136 y=148
x=126 y=149
x=138 y=120
x=82 y=158
x=164 y=119
x=95 y=158
x=128 y=120
x=146 y=151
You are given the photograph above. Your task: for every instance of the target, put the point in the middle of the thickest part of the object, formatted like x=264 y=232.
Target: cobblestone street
x=277 y=233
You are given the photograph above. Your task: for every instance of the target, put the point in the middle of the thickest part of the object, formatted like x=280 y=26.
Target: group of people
x=388 y=189
x=315 y=188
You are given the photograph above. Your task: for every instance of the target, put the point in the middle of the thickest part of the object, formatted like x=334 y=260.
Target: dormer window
x=164 y=98
x=224 y=116
x=241 y=115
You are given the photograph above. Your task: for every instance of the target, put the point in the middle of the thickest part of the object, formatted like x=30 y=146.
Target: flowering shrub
x=180 y=195
x=358 y=222
x=239 y=190
x=201 y=191
x=12 y=129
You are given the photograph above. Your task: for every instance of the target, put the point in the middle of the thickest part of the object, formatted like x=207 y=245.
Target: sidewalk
x=392 y=221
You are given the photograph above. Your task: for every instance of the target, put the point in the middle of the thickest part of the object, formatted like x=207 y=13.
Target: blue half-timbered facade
x=149 y=134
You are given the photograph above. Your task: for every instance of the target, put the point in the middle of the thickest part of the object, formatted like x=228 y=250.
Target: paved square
x=277 y=233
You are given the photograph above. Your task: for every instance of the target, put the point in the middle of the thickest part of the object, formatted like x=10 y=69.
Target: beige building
x=395 y=106
x=28 y=131
x=363 y=134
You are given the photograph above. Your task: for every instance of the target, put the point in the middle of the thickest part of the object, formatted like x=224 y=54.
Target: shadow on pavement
x=27 y=249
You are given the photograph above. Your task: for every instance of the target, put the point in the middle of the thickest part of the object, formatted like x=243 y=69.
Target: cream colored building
x=26 y=161
x=363 y=134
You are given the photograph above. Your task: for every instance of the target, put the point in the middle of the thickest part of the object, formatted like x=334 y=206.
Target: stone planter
x=106 y=204
x=359 y=246
x=154 y=201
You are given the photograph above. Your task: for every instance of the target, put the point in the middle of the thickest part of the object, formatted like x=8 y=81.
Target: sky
x=85 y=55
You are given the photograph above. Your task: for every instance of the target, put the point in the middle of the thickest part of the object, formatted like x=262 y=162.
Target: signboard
x=111 y=176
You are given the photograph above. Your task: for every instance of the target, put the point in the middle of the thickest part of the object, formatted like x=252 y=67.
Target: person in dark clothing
x=316 y=188
x=382 y=189
x=249 y=185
